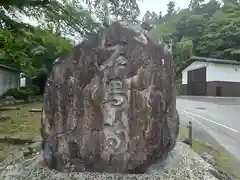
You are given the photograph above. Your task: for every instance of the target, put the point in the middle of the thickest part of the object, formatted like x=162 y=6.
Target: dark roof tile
x=213 y=60
x=9 y=68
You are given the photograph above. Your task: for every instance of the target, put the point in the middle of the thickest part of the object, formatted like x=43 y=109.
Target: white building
x=9 y=78
x=211 y=77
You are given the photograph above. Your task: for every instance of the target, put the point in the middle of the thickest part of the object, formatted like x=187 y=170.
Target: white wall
x=215 y=72
x=223 y=72
x=8 y=79
x=193 y=66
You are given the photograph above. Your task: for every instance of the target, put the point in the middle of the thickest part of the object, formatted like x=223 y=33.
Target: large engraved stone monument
x=110 y=105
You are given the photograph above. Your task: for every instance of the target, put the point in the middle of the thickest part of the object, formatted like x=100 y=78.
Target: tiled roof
x=10 y=68
x=212 y=60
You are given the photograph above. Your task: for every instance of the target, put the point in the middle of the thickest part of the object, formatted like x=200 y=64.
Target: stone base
x=180 y=164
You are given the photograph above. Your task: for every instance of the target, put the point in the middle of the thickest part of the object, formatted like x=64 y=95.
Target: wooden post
x=190 y=132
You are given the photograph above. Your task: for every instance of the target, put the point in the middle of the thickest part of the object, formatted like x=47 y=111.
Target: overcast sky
x=160 y=5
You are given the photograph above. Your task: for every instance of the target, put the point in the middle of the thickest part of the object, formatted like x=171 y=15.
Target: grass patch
x=20 y=124
x=25 y=125
x=10 y=150
x=183 y=131
x=223 y=160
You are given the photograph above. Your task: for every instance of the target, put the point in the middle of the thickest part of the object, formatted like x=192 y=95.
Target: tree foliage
x=58 y=24
x=151 y=17
x=77 y=18
x=171 y=8
x=31 y=49
x=210 y=29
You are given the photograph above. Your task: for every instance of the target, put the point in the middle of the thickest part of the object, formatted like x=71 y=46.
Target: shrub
x=22 y=93
x=34 y=89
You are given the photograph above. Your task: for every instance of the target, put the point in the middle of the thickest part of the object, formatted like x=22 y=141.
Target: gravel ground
x=181 y=164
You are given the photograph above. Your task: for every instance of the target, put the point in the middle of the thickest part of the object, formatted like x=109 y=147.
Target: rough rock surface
x=181 y=164
x=110 y=105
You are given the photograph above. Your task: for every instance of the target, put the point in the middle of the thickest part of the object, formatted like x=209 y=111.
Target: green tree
x=155 y=17
x=195 y=5
x=147 y=17
x=160 y=15
x=171 y=8
x=210 y=8
x=221 y=38
x=31 y=49
x=150 y=17
x=186 y=29
x=24 y=2
x=183 y=50
x=231 y=3
x=68 y=17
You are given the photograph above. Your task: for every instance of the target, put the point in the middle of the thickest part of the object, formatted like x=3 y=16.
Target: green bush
x=22 y=93
x=34 y=89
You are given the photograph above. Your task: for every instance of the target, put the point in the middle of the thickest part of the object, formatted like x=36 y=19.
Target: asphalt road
x=215 y=120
